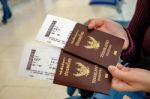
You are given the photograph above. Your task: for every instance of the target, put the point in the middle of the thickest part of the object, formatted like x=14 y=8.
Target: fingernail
x=111 y=68
x=90 y=26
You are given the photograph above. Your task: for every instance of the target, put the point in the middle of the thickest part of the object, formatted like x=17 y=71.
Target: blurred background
x=23 y=26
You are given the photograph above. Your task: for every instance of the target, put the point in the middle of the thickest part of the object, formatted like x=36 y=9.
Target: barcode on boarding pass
x=30 y=59
x=50 y=29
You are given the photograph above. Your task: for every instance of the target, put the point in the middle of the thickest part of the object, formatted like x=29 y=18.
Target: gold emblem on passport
x=92 y=43
x=115 y=53
x=82 y=70
x=106 y=75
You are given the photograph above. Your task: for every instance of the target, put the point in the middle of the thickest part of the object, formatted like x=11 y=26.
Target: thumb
x=92 y=23
x=119 y=74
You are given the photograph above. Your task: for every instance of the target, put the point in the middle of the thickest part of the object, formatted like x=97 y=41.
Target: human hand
x=129 y=79
x=110 y=27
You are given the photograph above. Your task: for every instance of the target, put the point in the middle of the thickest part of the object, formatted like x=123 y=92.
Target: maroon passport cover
x=75 y=72
x=93 y=45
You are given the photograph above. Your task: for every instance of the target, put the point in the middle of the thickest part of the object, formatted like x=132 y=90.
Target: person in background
x=136 y=49
x=6 y=11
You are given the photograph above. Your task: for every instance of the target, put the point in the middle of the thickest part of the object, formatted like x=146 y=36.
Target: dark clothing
x=6 y=10
x=138 y=53
x=139 y=34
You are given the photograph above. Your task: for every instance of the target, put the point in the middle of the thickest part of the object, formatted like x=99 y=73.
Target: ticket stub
x=39 y=61
x=55 y=31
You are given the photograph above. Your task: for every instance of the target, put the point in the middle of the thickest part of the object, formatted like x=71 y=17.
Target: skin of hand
x=129 y=79
x=109 y=27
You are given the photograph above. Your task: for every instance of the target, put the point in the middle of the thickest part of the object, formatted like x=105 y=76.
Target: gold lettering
x=68 y=64
x=95 y=74
x=106 y=76
x=104 y=48
x=99 y=74
x=62 y=66
x=80 y=36
x=74 y=37
x=108 y=50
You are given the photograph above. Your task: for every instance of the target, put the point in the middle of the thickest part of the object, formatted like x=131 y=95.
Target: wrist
x=146 y=81
x=126 y=44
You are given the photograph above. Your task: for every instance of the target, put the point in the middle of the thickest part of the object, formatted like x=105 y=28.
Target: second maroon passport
x=95 y=46
x=75 y=72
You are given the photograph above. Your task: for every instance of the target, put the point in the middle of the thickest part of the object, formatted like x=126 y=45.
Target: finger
x=121 y=85
x=119 y=66
x=99 y=22
x=123 y=68
x=91 y=24
x=95 y=23
x=120 y=74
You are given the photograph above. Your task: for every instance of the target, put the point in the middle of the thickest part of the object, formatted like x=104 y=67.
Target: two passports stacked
x=83 y=61
x=85 y=54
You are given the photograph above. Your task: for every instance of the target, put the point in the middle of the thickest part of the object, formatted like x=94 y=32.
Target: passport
x=75 y=72
x=95 y=46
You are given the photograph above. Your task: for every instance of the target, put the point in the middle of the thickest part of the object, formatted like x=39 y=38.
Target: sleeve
x=136 y=31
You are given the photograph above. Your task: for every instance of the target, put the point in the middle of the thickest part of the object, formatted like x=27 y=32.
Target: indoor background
x=26 y=20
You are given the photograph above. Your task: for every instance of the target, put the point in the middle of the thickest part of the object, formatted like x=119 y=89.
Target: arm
x=136 y=30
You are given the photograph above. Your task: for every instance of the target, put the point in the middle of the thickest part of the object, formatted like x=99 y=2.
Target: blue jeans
x=6 y=9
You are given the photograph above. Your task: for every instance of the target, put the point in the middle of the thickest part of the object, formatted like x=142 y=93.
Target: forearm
x=136 y=30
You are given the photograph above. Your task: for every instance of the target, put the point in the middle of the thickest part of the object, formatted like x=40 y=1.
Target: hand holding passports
x=84 y=59
x=85 y=53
